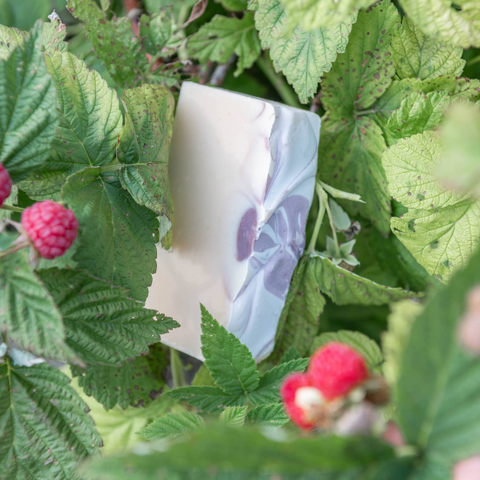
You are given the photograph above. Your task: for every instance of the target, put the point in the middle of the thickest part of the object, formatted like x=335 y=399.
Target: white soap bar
x=242 y=174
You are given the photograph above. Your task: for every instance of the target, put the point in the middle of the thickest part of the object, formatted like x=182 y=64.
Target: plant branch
x=278 y=81
x=11 y=208
x=332 y=224
x=14 y=249
x=318 y=223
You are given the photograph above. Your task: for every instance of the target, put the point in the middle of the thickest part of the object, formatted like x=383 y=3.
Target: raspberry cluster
x=312 y=398
x=50 y=227
x=5 y=184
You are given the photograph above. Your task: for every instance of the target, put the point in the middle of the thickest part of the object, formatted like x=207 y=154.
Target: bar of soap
x=242 y=175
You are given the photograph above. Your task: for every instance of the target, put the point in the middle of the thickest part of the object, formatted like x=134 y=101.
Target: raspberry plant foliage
x=87 y=107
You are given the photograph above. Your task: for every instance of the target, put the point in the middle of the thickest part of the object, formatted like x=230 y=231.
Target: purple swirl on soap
x=280 y=246
x=246 y=234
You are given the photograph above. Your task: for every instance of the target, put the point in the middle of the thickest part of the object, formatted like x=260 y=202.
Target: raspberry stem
x=14 y=249
x=11 y=208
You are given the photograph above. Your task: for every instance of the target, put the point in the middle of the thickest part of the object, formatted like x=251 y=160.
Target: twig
x=14 y=249
x=281 y=86
x=11 y=208
x=219 y=74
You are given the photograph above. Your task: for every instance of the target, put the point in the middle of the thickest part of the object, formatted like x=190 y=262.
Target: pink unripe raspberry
x=5 y=184
x=50 y=227
x=336 y=369
x=290 y=392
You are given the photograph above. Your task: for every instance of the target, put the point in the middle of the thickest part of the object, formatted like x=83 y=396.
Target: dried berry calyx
x=5 y=184
x=50 y=227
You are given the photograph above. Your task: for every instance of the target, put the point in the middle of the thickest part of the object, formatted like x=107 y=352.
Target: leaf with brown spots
x=362 y=74
x=351 y=160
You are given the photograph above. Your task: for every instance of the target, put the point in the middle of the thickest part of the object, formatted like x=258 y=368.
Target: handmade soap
x=242 y=175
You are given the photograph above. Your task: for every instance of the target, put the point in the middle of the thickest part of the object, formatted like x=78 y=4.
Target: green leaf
x=302 y=56
x=229 y=361
x=300 y=317
x=28 y=117
x=102 y=324
x=90 y=117
x=209 y=399
x=269 y=414
x=311 y=14
x=345 y=287
x=158 y=34
x=460 y=165
x=441 y=19
x=364 y=71
x=172 y=425
x=24 y=13
x=129 y=385
x=28 y=313
x=222 y=37
x=144 y=146
x=417 y=113
x=267 y=391
x=352 y=160
x=393 y=97
x=456 y=87
x=44 y=425
x=418 y=56
x=235 y=5
x=114 y=42
x=360 y=342
x=340 y=219
x=234 y=416
x=54 y=33
x=10 y=39
x=438 y=379
x=394 y=340
x=393 y=256
x=117 y=237
x=247 y=450
x=441 y=228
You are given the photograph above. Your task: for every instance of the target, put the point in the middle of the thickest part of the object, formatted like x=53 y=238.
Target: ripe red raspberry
x=290 y=391
x=336 y=369
x=50 y=227
x=5 y=184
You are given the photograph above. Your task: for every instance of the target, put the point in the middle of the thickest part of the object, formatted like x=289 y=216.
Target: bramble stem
x=332 y=225
x=281 y=86
x=177 y=369
x=11 y=208
x=14 y=249
x=318 y=224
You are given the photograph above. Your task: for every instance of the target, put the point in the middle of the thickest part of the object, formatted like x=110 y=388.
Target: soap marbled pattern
x=280 y=241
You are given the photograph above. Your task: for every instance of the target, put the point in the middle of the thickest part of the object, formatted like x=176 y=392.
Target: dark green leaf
x=267 y=391
x=438 y=379
x=229 y=361
x=129 y=385
x=247 y=450
x=269 y=414
x=44 y=425
x=27 y=109
x=208 y=399
x=117 y=237
x=300 y=317
x=102 y=324
x=28 y=313
x=144 y=146
x=172 y=425
x=345 y=287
